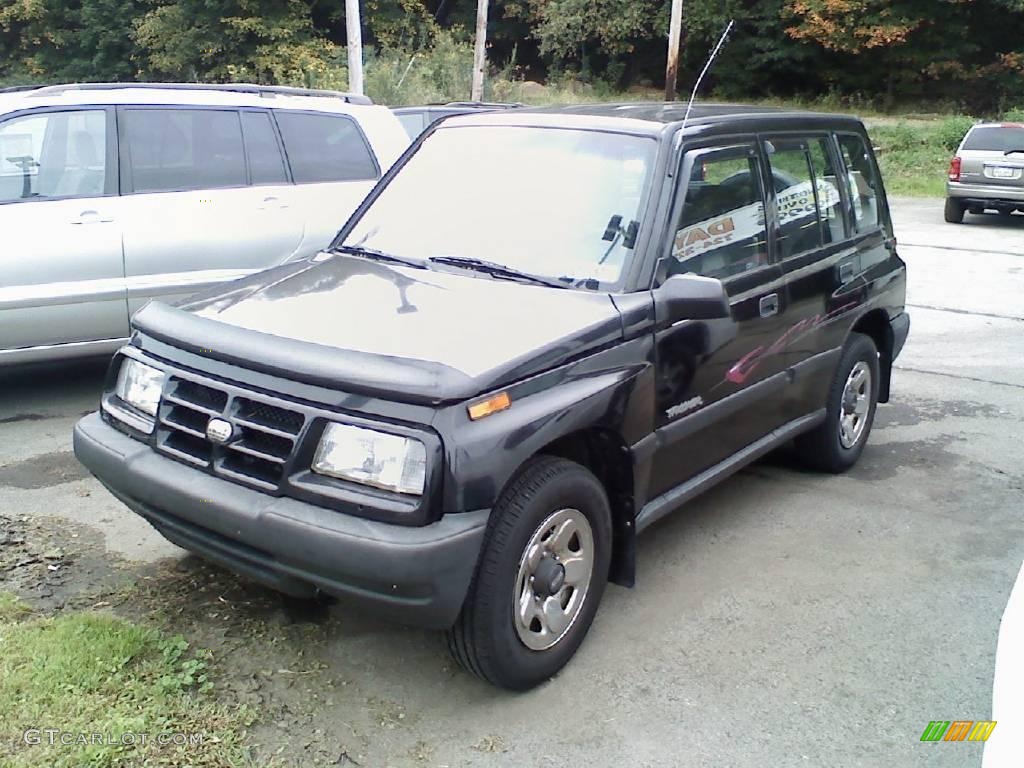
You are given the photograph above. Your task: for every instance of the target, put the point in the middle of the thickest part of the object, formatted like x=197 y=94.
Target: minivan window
x=184 y=149
x=266 y=163
x=53 y=154
x=721 y=230
x=862 y=178
x=995 y=138
x=552 y=202
x=324 y=148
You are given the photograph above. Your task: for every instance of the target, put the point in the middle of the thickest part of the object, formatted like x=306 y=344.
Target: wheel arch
x=876 y=325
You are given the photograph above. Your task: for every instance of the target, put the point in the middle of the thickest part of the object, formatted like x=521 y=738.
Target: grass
x=93 y=673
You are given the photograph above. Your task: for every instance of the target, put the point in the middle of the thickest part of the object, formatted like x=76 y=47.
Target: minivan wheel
x=837 y=443
x=540 y=578
x=955 y=211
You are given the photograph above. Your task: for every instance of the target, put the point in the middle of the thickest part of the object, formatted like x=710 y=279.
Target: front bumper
x=416 y=575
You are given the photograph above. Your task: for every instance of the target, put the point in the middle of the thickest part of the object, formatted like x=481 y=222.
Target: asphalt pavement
x=782 y=619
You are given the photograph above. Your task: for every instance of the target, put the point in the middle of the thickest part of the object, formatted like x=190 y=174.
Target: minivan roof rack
x=17 y=88
x=250 y=88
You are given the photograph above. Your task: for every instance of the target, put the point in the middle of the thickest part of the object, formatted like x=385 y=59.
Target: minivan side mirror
x=690 y=297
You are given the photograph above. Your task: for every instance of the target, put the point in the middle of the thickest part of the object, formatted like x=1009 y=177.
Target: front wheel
x=540 y=578
x=837 y=443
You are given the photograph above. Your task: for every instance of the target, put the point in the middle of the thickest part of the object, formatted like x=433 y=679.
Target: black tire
x=485 y=640
x=955 y=211
x=822 y=448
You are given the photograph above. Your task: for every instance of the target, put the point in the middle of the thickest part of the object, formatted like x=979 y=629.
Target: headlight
x=372 y=458
x=139 y=385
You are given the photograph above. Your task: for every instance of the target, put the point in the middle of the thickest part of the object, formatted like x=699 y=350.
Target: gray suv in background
x=987 y=172
x=114 y=194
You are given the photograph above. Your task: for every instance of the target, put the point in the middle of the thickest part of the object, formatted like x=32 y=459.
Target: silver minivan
x=111 y=195
x=987 y=172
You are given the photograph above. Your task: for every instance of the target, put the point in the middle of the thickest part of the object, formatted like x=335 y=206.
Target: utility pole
x=480 y=54
x=354 y=27
x=674 y=40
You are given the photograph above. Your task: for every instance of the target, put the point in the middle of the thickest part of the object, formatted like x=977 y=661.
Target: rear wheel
x=837 y=443
x=540 y=578
x=955 y=211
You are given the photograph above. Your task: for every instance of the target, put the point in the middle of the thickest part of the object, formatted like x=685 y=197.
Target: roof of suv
x=650 y=117
x=234 y=94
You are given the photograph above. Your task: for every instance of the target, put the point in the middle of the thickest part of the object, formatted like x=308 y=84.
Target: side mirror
x=690 y=297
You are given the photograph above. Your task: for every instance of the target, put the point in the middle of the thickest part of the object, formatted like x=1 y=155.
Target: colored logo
x=958 y=730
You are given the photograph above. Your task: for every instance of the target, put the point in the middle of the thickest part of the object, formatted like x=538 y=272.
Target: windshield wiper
x=1013 y=152
x=376 y=255
x=493 y=268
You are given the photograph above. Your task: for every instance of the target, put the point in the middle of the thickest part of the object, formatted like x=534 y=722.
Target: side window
x=793 y=182
x=54 y=154
x=862 y=178
x=266 y=163
x=325 y=148
x=184 y=149
x=721 y=229
x=826 y=181
x=412 y=122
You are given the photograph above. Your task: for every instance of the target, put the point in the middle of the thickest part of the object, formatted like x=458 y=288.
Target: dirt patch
x=43 y=471
x=23 y=417
x=909 y=413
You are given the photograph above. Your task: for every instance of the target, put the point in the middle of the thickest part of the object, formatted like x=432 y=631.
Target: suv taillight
x=954 y=169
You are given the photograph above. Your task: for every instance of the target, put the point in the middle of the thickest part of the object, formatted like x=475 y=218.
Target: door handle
x=90 y=217
x=769 y=305
x=272 y=202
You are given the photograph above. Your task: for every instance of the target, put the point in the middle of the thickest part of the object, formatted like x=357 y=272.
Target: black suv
x=462 y=415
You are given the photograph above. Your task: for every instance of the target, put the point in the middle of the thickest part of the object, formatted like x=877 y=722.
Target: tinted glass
x=413 y=122
x=862 y=177
x=830 y=201
x=793 y=180
x=56 y=154
x=325 y=148
x=996 y=138
x=721 y=230
x=266 y=163
x=181 y=149
x=551 y=202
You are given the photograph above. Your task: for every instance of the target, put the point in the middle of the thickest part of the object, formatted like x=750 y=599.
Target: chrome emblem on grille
x=219 y=431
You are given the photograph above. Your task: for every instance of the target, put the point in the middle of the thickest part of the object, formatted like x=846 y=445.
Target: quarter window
x=54 y=154
x=721 y=229
x=266 y=164
x=325 y=148
x=184 y=149
x=862 y=178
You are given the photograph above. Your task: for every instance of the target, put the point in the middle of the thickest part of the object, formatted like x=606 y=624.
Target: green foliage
x=951 y=131
x=1014 y=115
x=404 y=76
x=94 y=673
x=913 y=156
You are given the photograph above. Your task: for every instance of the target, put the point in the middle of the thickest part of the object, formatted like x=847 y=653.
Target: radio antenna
x=707 y=67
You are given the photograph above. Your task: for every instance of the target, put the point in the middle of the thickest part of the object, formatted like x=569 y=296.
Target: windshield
x=550 y=202
x=996 y=138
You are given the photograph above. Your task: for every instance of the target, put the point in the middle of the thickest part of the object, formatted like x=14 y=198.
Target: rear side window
x=996 y=138
x=800 y=221
x=325 y=148
x=266 y=163
x=863 y=181
x=184 y=149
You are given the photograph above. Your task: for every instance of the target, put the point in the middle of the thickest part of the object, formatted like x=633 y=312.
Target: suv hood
x=388 y=331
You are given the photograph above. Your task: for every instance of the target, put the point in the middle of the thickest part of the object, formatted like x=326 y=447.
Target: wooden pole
x=480 y=54
x=353 y=25
x=674 y=40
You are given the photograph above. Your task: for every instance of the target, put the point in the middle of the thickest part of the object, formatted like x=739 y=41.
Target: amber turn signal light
x=491 y=405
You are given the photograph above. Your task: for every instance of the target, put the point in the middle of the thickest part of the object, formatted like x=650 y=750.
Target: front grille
x=265 y=434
